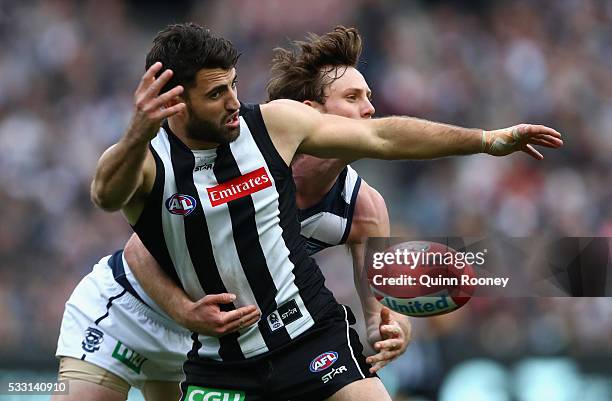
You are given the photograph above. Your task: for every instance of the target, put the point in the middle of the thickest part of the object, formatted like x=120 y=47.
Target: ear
x=176 y=100
x=314 y=104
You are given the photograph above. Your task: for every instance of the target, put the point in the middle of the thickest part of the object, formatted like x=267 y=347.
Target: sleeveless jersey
x=328 y=222
x=323 y=225
x=225 y=220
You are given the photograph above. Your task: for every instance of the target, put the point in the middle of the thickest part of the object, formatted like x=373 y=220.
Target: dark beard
x=203 y=130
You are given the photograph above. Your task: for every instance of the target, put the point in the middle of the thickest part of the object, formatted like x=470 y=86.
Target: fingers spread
x=149 y=76
x=392 y=344
x=533 y=130
x=546 y=140
x=170 y=111
x=390 y=331
x=377 y=366
x=159 y=83
x=385 y=316
x=531 y=151
x=166 y=97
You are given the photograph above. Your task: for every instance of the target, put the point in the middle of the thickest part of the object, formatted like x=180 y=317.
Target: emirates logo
x=239 y=187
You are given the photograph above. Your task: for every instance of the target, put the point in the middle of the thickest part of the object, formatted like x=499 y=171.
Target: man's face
x=213 y=106
x=349 y=95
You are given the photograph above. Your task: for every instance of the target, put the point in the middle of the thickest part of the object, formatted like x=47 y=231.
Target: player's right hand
x=149 y=110
x=206 y=317
x=521 y=137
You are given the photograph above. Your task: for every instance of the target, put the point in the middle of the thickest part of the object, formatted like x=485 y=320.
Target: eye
x=215 y=95
x=234 y=84
x=351 y=98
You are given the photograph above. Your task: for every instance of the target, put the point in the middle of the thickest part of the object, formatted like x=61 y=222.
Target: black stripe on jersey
x=198 y=239
x=149 y=225
x=252 y=258
x=308 y=277
x=332 y=202
x=351 y=211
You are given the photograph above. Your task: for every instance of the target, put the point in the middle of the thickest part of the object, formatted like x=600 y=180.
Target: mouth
x=233 y=121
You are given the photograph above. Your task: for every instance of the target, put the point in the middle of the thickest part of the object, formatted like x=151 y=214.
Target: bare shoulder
x=288 y=122
x=284 y=113
x=371 y=218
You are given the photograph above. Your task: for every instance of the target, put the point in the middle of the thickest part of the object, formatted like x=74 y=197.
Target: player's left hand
x=520 y=137
x=393 y=340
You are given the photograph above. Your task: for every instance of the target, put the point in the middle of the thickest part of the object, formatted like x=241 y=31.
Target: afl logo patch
x=181 y=204
x=323 y=361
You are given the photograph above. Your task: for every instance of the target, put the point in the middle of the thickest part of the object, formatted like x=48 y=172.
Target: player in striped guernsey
x=327 y=223
x=250 y=244
x=335 y=205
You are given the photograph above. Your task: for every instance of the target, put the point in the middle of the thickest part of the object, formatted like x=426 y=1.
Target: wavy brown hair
x=303 y=71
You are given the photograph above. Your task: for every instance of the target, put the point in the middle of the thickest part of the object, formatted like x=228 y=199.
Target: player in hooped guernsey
x=253 y=241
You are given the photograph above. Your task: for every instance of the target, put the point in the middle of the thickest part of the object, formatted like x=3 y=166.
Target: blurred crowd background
x=68 y=70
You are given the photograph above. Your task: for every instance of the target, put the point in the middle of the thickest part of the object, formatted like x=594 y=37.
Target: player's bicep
x=340 y=137
x=371 y=218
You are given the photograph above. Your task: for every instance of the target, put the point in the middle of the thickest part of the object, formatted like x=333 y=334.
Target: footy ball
x=422 y=278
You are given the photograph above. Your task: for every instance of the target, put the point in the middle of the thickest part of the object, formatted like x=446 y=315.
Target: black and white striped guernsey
x=225 y=220
x=328 y=222
x=323 y=225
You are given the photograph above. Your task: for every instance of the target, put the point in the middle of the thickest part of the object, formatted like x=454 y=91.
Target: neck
x=178 y=129
x=314 y=177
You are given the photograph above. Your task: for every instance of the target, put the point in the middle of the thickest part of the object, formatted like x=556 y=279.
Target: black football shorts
x=314 y=366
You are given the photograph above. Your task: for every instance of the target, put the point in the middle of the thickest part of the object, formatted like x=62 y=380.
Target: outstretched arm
x=388 y=332
x=127 y=170
x=297 y=128
x=202 y=316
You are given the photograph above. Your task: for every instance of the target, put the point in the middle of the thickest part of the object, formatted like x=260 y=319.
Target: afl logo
x=323 y=361
x=180 y=204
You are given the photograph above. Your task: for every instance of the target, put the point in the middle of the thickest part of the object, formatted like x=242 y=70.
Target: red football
x=422 y=278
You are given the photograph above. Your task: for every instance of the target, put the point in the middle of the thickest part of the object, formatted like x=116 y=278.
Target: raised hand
x=149 y=110
x=521 y=137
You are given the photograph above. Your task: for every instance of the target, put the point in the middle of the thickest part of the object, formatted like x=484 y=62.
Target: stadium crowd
x=68 y=70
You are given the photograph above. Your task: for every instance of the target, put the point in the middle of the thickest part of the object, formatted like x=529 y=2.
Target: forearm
x=156 y=283
x=413 y=138
x=370 y=306
x=119 y=174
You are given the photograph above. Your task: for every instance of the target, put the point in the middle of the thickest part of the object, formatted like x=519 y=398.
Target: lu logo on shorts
x=197 y=393
x=128 y=357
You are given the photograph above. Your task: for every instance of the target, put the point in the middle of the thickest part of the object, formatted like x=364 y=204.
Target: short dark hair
x=187 y=48
x=300 y=73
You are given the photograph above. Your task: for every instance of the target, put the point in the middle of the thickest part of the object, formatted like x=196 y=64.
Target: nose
x=232 y=103
x=368 y=110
